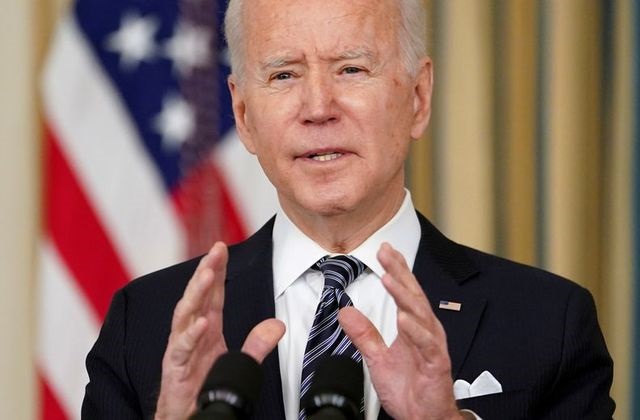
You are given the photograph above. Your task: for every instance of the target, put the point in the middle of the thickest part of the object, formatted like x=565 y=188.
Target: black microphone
x=231 y=389
x=337 y=390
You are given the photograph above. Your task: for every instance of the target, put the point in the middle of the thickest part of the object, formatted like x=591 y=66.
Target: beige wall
x=18 y=208
x=26 y=26
x=528 y=153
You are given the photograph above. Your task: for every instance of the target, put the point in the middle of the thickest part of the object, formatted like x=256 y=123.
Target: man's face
x=326 y=104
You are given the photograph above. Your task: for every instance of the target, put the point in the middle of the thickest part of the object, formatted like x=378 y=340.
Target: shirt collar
x=294 y=252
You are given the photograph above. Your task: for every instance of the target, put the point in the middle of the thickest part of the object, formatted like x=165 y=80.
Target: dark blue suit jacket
x=535 y=332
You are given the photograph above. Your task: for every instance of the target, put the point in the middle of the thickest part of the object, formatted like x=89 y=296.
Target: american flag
x=141 y=167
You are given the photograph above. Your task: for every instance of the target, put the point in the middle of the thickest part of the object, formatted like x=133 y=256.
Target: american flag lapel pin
x=450 y=306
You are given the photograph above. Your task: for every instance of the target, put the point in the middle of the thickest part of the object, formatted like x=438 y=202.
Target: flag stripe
x=87 y=246
x=103 y=148
x=244 y=176
x=49 y=408
x=200 y=194
x=68 y=328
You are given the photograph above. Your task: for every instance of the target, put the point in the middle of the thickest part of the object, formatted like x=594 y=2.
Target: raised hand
x=196 y=339
x=412 y=376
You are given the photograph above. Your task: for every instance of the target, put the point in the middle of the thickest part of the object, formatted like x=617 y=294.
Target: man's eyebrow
x=361 y=52
x=277 y=62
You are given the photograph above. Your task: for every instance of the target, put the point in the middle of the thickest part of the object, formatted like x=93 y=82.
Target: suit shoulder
x=173 y=279
x=167 y=281
x=506 y=274
x=490 y=275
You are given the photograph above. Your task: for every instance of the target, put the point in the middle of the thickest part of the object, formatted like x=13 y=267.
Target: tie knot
x=340 y=271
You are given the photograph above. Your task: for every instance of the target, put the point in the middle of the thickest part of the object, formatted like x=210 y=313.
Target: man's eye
x=352 y=70
x=282 y=76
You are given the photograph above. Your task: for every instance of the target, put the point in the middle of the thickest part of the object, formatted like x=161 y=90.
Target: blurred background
x=118 y=157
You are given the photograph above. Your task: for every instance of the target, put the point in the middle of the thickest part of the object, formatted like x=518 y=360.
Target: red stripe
x=50 y=409
x=207 y=209
x=235 y=230
x=77 y=233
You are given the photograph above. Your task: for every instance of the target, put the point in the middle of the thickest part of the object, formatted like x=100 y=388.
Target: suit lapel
x=442 y=267
x=249 y=300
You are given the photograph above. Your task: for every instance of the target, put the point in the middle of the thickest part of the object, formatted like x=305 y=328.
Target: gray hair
x=412 y=35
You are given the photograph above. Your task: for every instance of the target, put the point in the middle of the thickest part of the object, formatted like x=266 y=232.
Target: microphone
x=337 y=390
x=231 y=388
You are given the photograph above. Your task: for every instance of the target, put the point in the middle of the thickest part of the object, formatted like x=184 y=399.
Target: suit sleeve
x=581 y=387
x=109 y=394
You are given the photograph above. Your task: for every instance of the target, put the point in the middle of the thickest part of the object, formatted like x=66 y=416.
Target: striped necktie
x=326 y=336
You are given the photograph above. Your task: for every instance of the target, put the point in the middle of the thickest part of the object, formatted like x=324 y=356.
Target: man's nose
x=319 y=105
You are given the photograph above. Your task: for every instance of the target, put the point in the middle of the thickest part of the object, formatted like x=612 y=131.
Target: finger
x=395 y=264
x=182 y=345
x=195 y=295
x=362 y=332
x=402 y=285
x=431 y=345
x=415 y=304
x=219 y=258
x=205 y=289
x=216 y=256
x=263 y=338
x=205 y=261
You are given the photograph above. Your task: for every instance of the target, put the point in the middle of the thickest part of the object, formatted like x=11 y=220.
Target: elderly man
x=329 y=94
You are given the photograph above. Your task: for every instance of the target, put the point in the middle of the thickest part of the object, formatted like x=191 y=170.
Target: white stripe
x=105 y=152
x=67 y=328
x=252 y=192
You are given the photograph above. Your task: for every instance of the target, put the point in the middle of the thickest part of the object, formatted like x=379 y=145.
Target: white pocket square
x=484 y=384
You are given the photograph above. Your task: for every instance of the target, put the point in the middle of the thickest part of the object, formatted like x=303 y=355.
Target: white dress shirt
x=297 y=291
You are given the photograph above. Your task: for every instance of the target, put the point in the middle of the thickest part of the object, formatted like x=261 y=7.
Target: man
x=329 y=94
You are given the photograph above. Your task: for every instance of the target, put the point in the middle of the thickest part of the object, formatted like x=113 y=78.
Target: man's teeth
x=326 y=156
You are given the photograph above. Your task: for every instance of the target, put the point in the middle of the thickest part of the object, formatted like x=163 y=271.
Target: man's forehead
x=349 y=30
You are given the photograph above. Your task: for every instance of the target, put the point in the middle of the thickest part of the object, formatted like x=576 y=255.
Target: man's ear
x=422 y=98
x=240 y=113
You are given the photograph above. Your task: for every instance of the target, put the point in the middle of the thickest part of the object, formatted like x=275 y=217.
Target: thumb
x=362 y=332
x=263 y=338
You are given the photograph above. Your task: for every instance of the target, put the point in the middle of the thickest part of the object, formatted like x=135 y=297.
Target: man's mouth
x=324 y=157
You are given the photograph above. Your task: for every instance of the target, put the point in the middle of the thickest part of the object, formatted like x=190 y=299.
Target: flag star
x=176 y=121
x=133 y=40
x=188 y=47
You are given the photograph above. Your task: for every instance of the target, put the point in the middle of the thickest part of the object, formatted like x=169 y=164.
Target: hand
x=412 y=377
x=196 y=339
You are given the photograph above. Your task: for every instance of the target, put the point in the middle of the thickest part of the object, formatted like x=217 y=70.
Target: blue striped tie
x=326 y=336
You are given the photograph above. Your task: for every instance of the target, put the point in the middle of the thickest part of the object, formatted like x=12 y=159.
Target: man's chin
x=323 y=202
x=327 y=207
